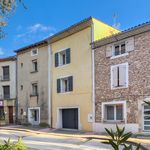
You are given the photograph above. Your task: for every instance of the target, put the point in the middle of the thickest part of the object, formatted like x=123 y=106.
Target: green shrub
x=119 y=138
x=43 y=125
x=8 y=145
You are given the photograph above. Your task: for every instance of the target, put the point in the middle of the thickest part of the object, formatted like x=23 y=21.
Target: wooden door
x=10 y=109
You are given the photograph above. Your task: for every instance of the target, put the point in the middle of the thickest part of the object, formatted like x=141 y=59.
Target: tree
x=6 y=8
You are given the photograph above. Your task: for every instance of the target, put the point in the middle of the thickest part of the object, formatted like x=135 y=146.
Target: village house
x=71 y=73
x=32 y=84
x=122 y=80
x=7 y=90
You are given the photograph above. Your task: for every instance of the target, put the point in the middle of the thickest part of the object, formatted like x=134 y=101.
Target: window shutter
x=109 y=50
x=129 y=44
x=115 y=77
x=122 y=75
x=68 y=55
x=58 y=86
x=70 y=83
x=56 y=60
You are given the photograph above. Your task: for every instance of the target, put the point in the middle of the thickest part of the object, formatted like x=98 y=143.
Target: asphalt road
x=52 y=142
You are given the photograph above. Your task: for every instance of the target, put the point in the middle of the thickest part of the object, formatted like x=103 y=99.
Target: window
x=119 y=49
x=65 y=84
x=62 y=58
x=34 y=65
x=21 y=87
x=2 y=113
x=21 y=65
x=5 y=73
x=119 y=76
x=113 y=111
x=34 y=89
x=34 y=52
x=6 y=92
x=146 y=118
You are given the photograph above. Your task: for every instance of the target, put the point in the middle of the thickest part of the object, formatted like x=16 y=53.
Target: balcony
x=33 y=100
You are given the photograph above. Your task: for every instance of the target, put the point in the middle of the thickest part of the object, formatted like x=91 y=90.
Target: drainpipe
x=16 y=65
x=49 y=85
x=93 y=75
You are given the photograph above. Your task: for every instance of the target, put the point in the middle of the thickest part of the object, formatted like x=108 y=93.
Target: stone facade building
x=122 y=80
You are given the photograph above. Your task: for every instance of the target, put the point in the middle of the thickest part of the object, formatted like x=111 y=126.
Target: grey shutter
x=115 y=77
x=68 y=55
x=70 y=83
x=109 y=50
x=56 y=60
x=129 y=44
x=58 y=86
x=122 y=75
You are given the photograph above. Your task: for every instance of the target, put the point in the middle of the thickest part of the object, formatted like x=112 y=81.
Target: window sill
x=122 y=55
x=120 y=87
x=34 y=71
x=61 y=66
x=113 y=122
x=65 y=92
x=3 y=80
x=33 y=95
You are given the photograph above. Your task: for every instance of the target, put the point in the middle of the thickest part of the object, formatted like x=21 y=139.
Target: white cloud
x=33 y=33
x=1 y=51
x=37 y=28
x=40 y=27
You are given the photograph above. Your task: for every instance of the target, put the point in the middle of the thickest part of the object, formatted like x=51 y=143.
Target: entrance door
x=70 y=118
x=10 y=109
x=34 y=116
x=146 y=118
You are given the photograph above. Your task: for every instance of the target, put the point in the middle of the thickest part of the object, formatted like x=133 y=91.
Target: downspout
x=93 y=74
x=49 y=85
x=16 y=82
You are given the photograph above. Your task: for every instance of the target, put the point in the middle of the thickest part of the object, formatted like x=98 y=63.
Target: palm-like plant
x=119 y=138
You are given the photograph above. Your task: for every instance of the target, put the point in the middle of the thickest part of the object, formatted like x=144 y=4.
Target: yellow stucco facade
x=80 y=67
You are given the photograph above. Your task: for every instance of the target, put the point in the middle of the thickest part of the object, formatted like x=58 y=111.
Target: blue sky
x=46 y=17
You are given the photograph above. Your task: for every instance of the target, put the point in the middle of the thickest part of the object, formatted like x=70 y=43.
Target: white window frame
x=32 y=54
x=61 y=84
x=143 y=117
x=60 y=59
x=127 y=75
x=115 y=103
x=120 y=55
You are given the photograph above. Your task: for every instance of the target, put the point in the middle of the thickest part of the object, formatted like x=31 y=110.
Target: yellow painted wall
x=102 y=30
x=80 y=69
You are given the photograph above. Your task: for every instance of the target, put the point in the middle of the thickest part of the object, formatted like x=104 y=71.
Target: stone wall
x=139 y=78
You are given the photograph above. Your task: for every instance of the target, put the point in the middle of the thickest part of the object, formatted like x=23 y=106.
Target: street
x=52 y=142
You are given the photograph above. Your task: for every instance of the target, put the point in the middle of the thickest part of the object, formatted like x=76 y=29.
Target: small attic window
x=34 y=52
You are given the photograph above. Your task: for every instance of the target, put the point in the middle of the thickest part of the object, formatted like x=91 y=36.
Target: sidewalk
x=69 y=133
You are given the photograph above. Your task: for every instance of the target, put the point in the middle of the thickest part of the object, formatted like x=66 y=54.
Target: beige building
x=122 y=80
x=72 y=73
x=33 y=84
x=7 y=90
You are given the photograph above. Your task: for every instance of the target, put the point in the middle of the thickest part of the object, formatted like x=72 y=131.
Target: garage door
x=70 y=118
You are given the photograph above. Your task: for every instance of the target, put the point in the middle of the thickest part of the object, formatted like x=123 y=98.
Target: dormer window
x=34 y=52
x=119 y=49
